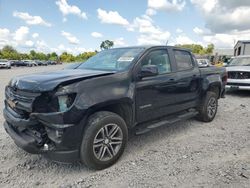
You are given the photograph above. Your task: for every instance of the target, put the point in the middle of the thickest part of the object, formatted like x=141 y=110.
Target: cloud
x=4 y=36
x=233 y=4
x=238 y=19
x=4 y=33
x=198 y=31
x=67 y=9
x=42 y=46
x=23 y=41
x=71 y=38
x=75 y=50
x=226 y=40
x=96 y=35
x=21 y=33
x=31 y=20
x=167 y=5
x=29 y=43
x=178 y=30
x=183 y=39
x=206 y=5
x=64 y=19
x=226 y=22
x=19 y=38
x=225 y=16
x=119 y=42
x=35 y=35
x=150 y=12
x=111 y=17
x=149 y=32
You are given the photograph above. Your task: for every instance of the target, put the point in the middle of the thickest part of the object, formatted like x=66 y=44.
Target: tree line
x=198 y=49
x=8 y=52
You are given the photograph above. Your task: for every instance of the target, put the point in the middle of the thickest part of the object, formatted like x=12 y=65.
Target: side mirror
x=149 y=70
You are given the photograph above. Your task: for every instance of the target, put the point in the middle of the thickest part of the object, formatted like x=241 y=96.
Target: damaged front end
x=45 y=123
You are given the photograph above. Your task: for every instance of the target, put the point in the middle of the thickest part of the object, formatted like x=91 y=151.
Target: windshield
x=240 y=61
x=112 y=60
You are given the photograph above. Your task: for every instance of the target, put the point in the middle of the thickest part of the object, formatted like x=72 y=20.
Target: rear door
x=188 y=80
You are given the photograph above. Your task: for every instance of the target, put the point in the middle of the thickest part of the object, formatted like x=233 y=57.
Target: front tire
x=104 y=140
x=208 y=107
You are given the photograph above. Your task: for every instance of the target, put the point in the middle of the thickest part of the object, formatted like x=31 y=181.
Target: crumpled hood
x=47 y=81
x=238 y=68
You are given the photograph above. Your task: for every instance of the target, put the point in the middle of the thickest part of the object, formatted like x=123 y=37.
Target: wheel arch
x=212 y=83
x=122 y=108
x=216 y=88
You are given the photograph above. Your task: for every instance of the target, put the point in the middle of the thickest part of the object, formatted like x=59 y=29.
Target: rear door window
x=183 y=60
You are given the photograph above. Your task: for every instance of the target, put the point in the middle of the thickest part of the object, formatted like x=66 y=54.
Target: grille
x=238 y=75
x=23 y=100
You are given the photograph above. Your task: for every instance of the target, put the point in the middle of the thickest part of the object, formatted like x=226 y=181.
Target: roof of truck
x=152 y=46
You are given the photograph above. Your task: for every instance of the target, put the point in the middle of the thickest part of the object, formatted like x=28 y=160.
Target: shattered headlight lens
x=65 y=99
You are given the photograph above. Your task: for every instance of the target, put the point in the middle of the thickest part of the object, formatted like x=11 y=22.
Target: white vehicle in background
x=203 y=62
x=239 y=73
x=30 y=63
x=5 y=64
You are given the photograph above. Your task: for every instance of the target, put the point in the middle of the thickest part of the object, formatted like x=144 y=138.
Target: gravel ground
x=186 y=154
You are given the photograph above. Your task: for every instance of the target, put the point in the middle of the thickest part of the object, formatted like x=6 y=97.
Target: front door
x=155 y=95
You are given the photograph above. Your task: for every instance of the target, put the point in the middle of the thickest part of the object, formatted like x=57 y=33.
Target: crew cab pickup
x=84 y=114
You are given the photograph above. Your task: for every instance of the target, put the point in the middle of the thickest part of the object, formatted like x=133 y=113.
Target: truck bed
x=213 y=70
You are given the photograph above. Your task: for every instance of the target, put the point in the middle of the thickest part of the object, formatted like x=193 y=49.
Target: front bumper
x=28 y=143
x=238 y=84
x=24 y=141
x=237 y=87
x=4 y=66
x=40 y=135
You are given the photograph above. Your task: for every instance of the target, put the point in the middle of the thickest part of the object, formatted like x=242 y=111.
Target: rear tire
x=104 y=140
x=208 y=107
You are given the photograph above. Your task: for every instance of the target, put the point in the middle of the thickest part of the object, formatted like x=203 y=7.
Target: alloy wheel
x=107 y=142
x=211 y=107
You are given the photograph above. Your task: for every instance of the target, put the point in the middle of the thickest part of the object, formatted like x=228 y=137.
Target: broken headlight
x=59 y=101
x=65 y=99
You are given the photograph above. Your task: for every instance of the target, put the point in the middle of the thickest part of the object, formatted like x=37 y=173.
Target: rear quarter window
x=183 y=60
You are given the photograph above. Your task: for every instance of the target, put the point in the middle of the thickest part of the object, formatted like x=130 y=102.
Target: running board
x=180 y=117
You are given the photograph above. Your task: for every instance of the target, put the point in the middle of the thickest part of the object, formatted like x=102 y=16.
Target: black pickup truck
x=84 y=114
